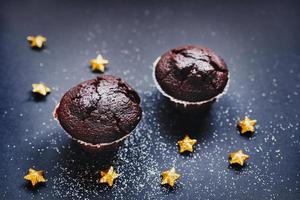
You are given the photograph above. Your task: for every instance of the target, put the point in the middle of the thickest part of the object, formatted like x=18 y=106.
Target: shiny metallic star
x=247 y=125
x=35 y=176
x=37 y=41
x=108 y=176
x=169 y=177
x=40 y=88
x=98 y=64
x=238 y=157
x=186 y=144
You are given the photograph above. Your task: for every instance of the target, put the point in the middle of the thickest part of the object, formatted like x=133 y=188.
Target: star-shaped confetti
x=40 y=88
x=247 y=125
x=169 y=177
x=238 y=157
x=186 y=144
x=37 y=42
x=35 y=176
x=98 y=64
x=108 y=176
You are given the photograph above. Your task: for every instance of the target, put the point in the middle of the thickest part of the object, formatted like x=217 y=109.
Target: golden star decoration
x=247 y=125
x=37 y=41
x=238 y=157
x=169 y=177
x=35 y=176
x=40 y=88
x=186 y=144
x=98 y=64
x=108 y=176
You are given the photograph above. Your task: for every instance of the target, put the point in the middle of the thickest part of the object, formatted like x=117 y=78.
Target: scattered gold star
x=37 y=41
x=35 y=176
x=98 y=64
x=40 y=88
x=247 y=125
x=186 y=144
x=238 y=157
x=108 y=176
x=169 y=177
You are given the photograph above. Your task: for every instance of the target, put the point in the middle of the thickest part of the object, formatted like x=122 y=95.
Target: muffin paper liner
x=186 y=105
x=91 y=146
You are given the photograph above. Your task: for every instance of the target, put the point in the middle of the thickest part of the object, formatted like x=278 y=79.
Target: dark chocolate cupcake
x=191 y=76
x=99 y=113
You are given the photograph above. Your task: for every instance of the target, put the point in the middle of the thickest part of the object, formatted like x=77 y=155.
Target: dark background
x=259 y=41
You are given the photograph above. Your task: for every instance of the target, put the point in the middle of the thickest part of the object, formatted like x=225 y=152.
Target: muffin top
x=191 y=73
x=100 y=110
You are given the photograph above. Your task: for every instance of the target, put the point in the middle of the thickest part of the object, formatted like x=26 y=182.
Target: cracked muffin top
x=100 y=110
x=191 y=73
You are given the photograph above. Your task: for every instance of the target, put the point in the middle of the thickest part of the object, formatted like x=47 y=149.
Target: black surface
x=260 y=44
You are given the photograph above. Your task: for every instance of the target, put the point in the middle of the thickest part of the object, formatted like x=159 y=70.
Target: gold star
x=238 y=157
x=98 y=64
x=35 y=176
x=169 y=177
x=186 y=144
x=247 y=125
x=108 y=176
x=37 y=41
x=40 y=88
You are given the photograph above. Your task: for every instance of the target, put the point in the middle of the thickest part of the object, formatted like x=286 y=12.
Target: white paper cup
x=95 y=148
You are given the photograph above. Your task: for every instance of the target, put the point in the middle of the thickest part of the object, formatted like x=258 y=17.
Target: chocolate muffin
x=191 y=75
x=99 y=112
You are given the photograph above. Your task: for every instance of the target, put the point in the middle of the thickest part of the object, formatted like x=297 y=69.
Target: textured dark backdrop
x=259 y=40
